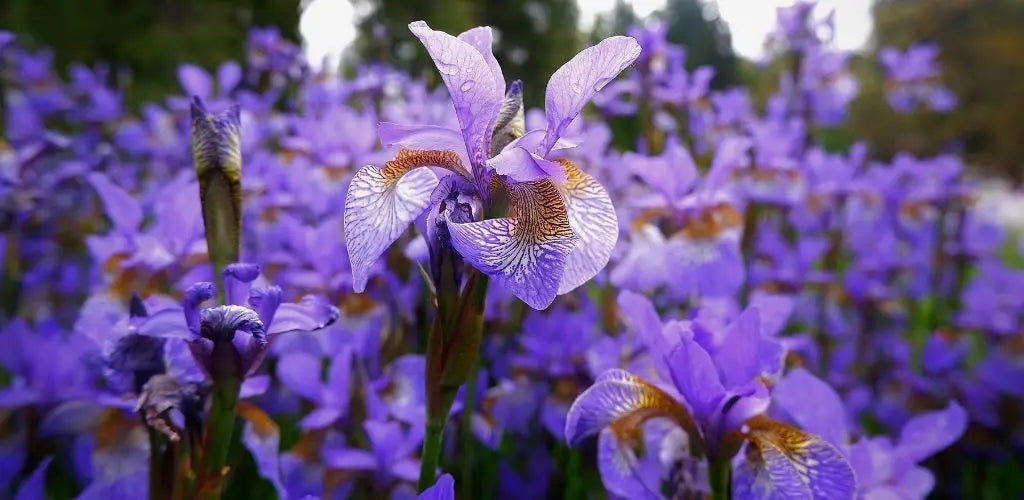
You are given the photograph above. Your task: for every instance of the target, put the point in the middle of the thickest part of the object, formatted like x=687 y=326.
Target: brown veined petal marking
x=593 y=220
x=622 y=402
x=526 y=251
x=785 y=462
x=381 y=202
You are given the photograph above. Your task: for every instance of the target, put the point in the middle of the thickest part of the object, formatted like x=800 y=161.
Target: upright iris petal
x=217 y=153
x=472 y=85
x=573 y=85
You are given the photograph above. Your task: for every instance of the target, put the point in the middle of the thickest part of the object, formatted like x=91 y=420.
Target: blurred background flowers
x=834 y=187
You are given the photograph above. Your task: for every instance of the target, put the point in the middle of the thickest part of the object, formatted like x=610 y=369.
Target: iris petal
x=621 y=400
x=471 y=85
x=592 y=218
x=619 y=466
x=525 y=252
x=783 y=462
x=576 y=82
x=381 y=202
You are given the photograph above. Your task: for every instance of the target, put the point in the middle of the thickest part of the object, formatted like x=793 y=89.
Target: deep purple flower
x=236 y=337
x=717 y=396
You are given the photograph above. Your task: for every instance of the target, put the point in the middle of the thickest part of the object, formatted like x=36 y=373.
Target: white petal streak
x=379 y=205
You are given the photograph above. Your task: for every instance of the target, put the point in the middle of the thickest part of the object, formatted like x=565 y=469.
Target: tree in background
x=980 y=51
x=149 y=39
x=696 y=25
x=532 y=38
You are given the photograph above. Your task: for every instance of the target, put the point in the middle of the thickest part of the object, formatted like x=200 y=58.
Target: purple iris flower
x=236 y=337
x=702 y=255
x=561 y=225
x=715 y=392
x=390 y=455
x=914 y=78
x=884 y=469
x=300 y=372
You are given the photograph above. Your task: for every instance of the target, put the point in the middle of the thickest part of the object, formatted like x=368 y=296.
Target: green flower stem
x=720 y=477
x=452 y=349
x=158 y=488
x=431 y=454
x=466 y=436
x=217 y=442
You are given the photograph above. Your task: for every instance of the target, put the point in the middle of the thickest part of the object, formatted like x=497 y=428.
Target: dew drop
x=467 y=85
x=575 y=88
x=447 y=68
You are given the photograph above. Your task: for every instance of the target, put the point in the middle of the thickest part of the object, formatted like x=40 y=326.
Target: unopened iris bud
x=511 y=122
x=217 y=154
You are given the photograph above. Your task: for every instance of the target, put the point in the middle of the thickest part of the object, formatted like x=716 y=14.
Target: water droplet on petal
x=467 y=85
x=447 y=68
x=575 y=88
x=601 y=83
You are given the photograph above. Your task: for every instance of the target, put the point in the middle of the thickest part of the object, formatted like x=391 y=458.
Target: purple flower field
x=286 y=283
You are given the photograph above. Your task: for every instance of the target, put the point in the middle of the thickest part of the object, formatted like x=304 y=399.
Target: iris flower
x=236 y=337
x=560 y=227
x=718 y=397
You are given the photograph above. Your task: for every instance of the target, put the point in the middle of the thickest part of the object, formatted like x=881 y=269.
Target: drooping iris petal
x=812 y=404
x=622 y=400
x=695 y=376
x=925 y=435
x=217 y=154
x=525 y=252
x=783 y=462
x=593 y=221
x=381 y=202
x=426 y=137
x=576 y=82
x=470 y=83
x=221 y=322
x=310 y=314
x=620 y=471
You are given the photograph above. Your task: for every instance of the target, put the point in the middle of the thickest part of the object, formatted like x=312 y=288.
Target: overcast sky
x=327 y=25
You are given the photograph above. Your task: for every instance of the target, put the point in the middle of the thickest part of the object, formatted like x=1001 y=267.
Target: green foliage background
x=981 y=42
